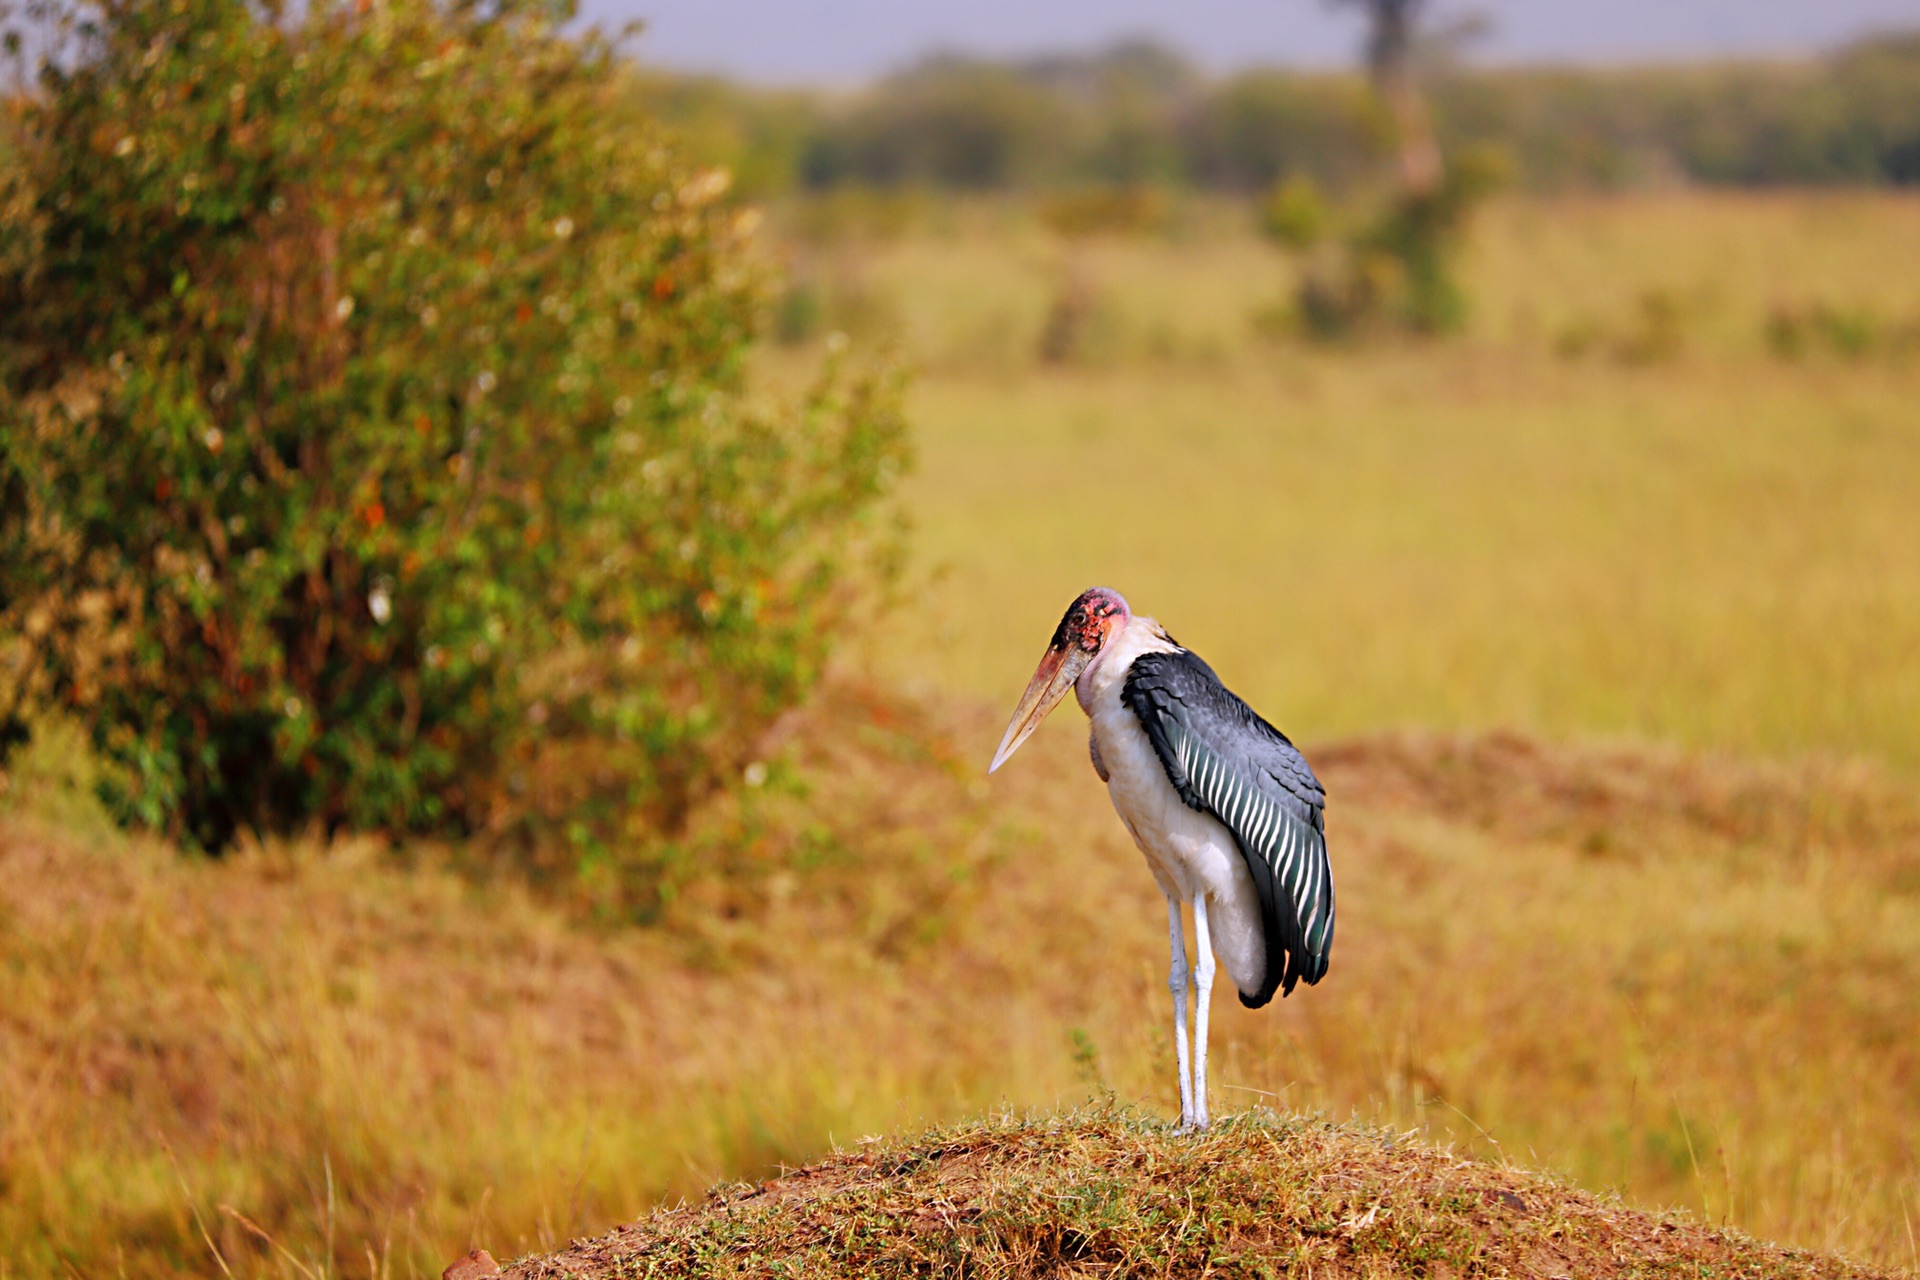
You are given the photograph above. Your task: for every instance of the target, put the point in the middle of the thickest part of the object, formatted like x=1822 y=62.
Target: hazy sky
x=852 y=40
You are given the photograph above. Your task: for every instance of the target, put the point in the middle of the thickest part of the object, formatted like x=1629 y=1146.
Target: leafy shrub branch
x=375 y=447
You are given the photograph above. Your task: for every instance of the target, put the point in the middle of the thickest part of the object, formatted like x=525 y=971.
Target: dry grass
x=1583 y=926
x=1713 y=547
x=370 y=1058
x=1103 y=1193
x=1689 y=980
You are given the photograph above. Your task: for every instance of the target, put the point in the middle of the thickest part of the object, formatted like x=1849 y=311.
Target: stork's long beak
x=1050 y=683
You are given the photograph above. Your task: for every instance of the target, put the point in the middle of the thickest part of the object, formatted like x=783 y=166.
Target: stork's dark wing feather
x=1226 y=761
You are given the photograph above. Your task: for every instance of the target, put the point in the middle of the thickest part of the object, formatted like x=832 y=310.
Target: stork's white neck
x=1109 y=669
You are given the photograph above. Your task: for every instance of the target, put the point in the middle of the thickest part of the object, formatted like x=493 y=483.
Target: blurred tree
x=1394 y=267
x=758 y=134
x=1849 y=117
x=950 y=122
x=1390 y=61
x=1121 y=107
x=374 y=447
x=1263 y=127
x=1107 y=117
x=1138 y=114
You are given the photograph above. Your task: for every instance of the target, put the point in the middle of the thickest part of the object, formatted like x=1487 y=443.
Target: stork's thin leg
x=1177 y=983
x=1202 y=999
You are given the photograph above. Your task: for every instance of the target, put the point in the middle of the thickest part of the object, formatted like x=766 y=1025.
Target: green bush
x=1295 y=214
x=1853 y=332
x=374 y=445
x=1392 y=269
x=1419 y=237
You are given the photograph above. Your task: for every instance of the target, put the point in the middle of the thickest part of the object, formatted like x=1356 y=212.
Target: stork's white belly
x=1190 y=853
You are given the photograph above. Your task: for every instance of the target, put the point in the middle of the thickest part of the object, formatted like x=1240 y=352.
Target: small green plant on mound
x=1104 y=1192
x=374 y=444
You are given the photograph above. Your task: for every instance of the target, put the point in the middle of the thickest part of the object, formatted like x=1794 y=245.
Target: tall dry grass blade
x=194 y=1208
x=270 y=1242
x=1699 y=1179
x=326 y=1164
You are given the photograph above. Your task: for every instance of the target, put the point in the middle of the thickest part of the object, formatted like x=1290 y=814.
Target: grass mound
x=1106 y=1192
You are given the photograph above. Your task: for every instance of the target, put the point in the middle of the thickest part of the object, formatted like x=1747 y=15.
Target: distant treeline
x=1140 y=113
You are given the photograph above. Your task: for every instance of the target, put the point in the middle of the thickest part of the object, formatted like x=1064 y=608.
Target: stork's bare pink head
x=1090 y=621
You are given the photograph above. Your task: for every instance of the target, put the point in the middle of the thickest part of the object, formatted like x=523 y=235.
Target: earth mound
x=1106 y=1192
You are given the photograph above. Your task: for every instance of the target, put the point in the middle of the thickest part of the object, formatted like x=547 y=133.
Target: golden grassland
x=1598 y=621
x=1689 y=980
x=1673 y=536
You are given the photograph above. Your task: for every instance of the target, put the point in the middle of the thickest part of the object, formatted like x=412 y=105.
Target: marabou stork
x=1225 y=809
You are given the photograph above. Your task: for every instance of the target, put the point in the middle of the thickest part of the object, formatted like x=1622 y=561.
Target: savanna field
x=1598 y=621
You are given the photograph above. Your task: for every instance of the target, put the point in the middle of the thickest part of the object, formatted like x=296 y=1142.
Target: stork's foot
x=1189 y=1126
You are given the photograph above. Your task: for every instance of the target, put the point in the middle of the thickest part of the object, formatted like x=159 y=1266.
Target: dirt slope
x=1105 y=1192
